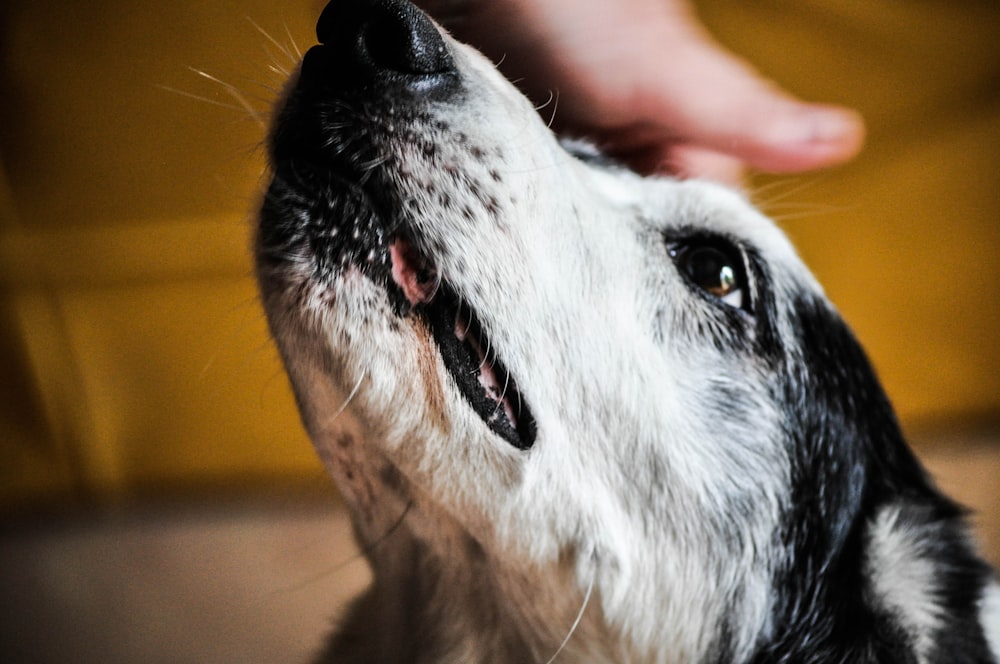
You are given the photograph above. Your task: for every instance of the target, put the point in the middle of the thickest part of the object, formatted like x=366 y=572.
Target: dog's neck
x=438 y=592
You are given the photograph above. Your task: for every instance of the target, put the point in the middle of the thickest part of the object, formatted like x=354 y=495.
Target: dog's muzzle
x=362 y=99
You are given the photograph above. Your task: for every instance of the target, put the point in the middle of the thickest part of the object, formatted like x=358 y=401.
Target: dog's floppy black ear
x=849 y=455
x=844 y=408
x=849 y=459
x=846 y=450
x=850 y=433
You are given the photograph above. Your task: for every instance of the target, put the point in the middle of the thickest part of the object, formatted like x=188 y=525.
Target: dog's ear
x=846 y=448
x=847 y=451
x=851 y=432
x=849 y=460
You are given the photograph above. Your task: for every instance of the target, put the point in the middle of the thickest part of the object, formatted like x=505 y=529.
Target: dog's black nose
x=381 y=38
x=373 y=55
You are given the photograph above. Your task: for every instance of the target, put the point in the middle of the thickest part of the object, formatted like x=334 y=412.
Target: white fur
x=904 y=577
x=989 y=615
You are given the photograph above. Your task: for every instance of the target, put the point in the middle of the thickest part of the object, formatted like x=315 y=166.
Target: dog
x=577 y=413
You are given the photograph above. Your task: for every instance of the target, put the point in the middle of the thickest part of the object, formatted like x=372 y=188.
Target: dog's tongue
x=412 y=273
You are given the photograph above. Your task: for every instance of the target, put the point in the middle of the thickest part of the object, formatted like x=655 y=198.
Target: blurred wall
x=134 y=355
x=906 y=238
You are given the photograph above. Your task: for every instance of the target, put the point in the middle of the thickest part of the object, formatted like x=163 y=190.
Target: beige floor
x=250 y=582
x=242 y=583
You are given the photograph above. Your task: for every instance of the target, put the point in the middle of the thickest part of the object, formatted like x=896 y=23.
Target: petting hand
x=645 y=80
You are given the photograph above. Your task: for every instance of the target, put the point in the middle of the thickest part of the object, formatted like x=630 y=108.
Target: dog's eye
x=716 y=267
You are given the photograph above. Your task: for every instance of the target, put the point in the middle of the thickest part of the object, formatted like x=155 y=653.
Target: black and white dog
x=574 y=411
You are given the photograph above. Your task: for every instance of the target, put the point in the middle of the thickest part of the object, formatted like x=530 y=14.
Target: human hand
x=646 y=81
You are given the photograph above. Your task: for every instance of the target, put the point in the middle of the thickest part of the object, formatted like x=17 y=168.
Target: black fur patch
x=849 y=459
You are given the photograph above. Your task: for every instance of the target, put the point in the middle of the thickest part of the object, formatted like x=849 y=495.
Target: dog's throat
x=465 y=349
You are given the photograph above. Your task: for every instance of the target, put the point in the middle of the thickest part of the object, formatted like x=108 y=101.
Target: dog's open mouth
x=467 y=352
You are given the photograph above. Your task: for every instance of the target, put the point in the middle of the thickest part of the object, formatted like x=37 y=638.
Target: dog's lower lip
x=472 y=361
x=467 y=353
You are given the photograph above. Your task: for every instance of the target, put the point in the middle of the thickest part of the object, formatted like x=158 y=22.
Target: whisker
x=349 y=399
x=390 y=530
x=779 y=190
x=319 y=576
x=576 y=623
x=281 y=47
x=552 y=96
x=486 y=352
x=555 y=107
x=294 y=45
x=506 y=384
x=804 y=212
x=201 y=98
x=275 y=68
x=235 y=93
x=370 y=166
x=276 y=59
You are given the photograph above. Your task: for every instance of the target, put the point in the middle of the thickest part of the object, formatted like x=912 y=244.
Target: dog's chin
x=466 y=350
x=351 y=229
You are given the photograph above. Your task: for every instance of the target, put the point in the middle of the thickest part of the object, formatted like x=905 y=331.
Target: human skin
x=646 y=81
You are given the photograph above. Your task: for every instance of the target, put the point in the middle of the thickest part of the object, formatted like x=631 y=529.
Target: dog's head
x=503 y=340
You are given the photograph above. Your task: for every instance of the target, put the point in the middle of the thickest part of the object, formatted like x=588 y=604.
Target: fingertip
x=836 y=124
x=808 y=137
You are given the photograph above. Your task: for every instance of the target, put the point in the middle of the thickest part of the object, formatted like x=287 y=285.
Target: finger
x=682 y=161
x=692 y=162
x=709 y=97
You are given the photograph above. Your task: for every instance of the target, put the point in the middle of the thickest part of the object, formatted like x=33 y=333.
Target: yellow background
x=134 y=358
